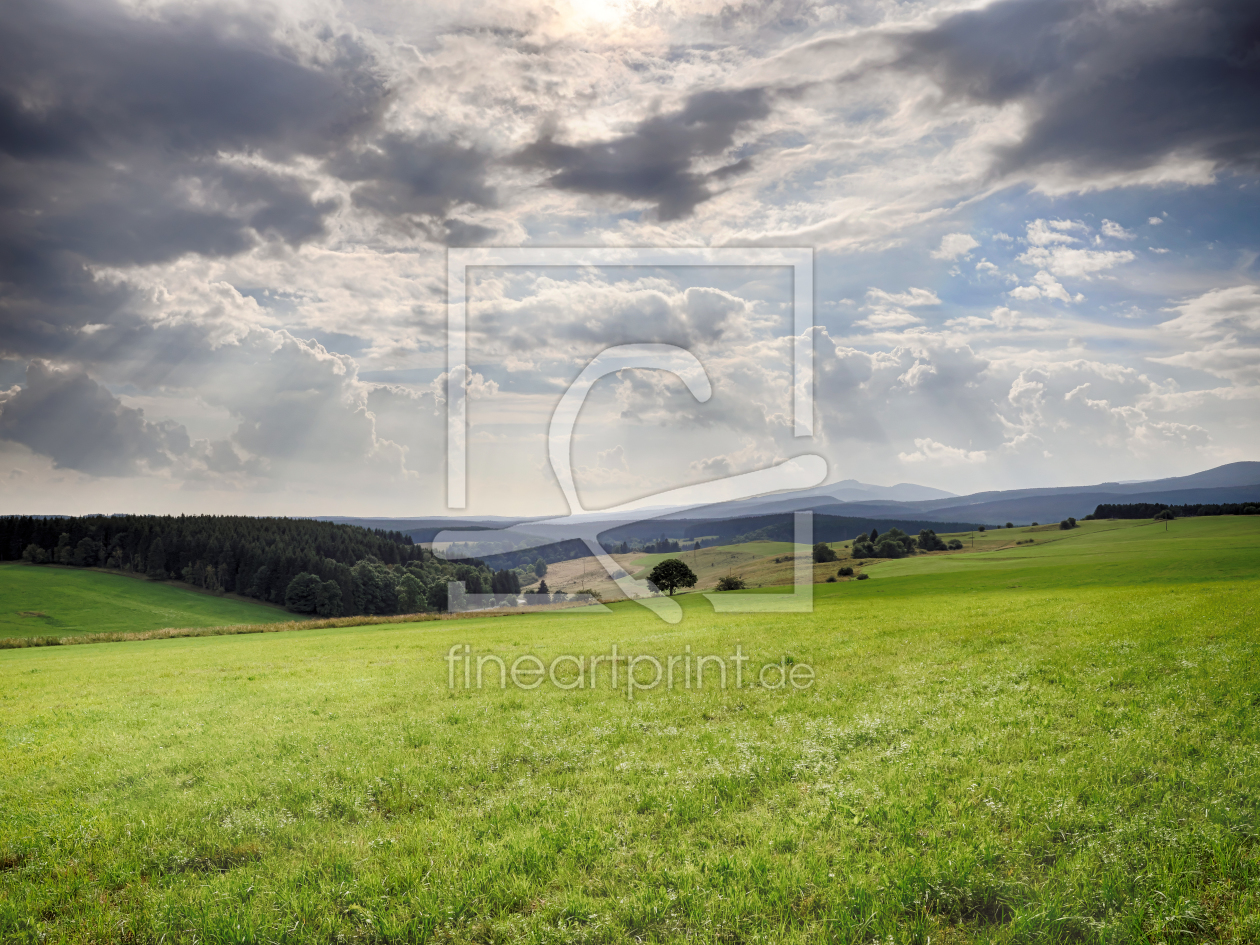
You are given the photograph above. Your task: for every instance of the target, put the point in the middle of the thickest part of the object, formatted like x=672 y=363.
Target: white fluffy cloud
x=1221 y=330
x=277 y=260
x=1044 y=286
x=1049 y=249
x=928 y=450
x=954 y=245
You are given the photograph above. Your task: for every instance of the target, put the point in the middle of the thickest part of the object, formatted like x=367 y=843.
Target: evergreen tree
x=155 y=563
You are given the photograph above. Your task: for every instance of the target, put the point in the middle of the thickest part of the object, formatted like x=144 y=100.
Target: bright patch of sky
x=1033 y=264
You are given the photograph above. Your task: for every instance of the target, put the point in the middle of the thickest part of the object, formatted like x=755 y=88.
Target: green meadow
x=58 y=602
x=1054 y=742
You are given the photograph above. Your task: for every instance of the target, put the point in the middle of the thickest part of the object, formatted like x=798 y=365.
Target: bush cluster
x=897 y=544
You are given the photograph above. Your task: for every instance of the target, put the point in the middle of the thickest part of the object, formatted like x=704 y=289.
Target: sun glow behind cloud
x=274 y=260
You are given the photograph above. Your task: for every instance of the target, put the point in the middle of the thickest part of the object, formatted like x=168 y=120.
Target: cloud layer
x=223 y=234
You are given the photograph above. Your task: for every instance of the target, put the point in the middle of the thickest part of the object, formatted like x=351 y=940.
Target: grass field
x=770 y=564
x=57 y=602
x=1051 y=744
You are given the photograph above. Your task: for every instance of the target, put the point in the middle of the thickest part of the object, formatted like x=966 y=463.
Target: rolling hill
x=55 y=602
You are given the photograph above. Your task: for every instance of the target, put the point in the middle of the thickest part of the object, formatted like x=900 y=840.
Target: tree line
x=1152 y=509
x=308 y=566
x=827 y=528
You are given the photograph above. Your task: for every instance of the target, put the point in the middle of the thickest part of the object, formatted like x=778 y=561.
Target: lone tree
x=540 y=567
x=672 y=574
x=823 y=553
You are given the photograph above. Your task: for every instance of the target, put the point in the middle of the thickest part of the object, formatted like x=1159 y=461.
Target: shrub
x=34 y=554
x=981 y=528
x=831 y=579
x=731 y=583
x=892 y=544
x=846 y=571
x=954 y=544
x=863 y=577
x=928 y=541
x=823 y=553
x=1034 y=524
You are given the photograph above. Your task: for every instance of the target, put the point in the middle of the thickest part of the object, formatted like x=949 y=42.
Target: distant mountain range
x=857 y=504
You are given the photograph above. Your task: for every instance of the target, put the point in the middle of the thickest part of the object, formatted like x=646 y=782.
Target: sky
x=224 y=230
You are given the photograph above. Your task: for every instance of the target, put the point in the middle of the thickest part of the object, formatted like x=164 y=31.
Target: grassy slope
x=710 y=564
x=74 y=600
x=755 y=561
x=1069 y=760
x=1216 y=548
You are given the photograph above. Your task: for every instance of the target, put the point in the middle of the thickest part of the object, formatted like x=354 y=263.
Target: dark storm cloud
x=1107 y=86
x=109 y=123
x=66 y=415
x=114 y=128
x=415 y=175
x=420 y=176
x=655 y=160
x=81 y=79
